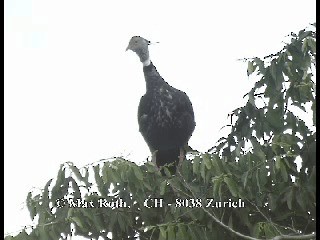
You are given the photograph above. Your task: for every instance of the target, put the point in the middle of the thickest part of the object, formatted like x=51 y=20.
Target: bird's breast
x=163 y=120
x=164 y=109
x=163 y=113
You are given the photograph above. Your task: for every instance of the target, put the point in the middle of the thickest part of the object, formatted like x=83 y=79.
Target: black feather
x=165 y=117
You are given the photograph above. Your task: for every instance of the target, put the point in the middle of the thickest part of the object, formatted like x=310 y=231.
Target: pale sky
x=72 y=92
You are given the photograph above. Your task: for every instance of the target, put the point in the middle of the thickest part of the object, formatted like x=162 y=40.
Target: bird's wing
x=185 y=109
x=143 y=113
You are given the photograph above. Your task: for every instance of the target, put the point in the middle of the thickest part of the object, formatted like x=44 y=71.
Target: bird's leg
x=154 y=157
x=181 y=156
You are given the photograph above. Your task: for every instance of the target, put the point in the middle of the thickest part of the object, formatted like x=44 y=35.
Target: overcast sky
x=72 y=92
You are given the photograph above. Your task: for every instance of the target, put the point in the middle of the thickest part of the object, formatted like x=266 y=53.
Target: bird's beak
x=128 y=48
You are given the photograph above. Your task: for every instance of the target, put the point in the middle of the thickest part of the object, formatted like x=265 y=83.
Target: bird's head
x=139 y=45
x=136 y=43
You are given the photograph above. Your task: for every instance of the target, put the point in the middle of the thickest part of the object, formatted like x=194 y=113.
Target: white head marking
x=146 y=62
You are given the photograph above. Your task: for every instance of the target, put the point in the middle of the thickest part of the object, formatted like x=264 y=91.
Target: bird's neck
x=143 y=54
x=152 y=77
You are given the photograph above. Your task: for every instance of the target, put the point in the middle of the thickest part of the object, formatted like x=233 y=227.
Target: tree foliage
x=266 y=162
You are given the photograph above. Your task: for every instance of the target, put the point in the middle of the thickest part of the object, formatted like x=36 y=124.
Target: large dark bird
x=165 y=114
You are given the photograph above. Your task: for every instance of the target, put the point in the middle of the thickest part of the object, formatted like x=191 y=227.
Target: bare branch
x=298 y=237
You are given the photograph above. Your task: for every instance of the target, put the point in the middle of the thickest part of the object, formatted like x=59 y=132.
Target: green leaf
x=250 y=68
x=275 y=147
x=77 y=221
x=138 y=173
x=75 y=171
x=244 y=179
x=275 y=118
x=251 y=98
x=45 y=195
x=207 y=161
x=76 y=190
x=163 y=233
x=105 y=176
x=272 y=200
x=312 y=179
x=260 y=64
x=192 y=230
x=148 y=186
x=232 y=186
x=314 y=115
x=151 y=167
x=31 y=206
x=217 y=166
x=216 y=181
x=22 y=236
x=202 y=170
x=301 y=199
x=283 y=171
x=54 y=233
x=263 y=175
x=122 y=222
x=166 y=171
x=312 y=44
x=185 y=169
x=303 y=34
x=99 y=179
x=113 y=220
x=244 y=216
x=278 y=162
x=289 y=197
x=114 y=175
x=163 y=187
x=182 y=232
x=304 y=47
x=270 y=231
x=257 y=230
x=230 y=222
x=196 y=164
x=288 y=139
x=273 y=70
x=260 y=154
x=258 y=180
x=61 y=176
x=171 y=233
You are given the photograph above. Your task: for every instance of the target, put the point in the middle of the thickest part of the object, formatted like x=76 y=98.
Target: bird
x=165 y=114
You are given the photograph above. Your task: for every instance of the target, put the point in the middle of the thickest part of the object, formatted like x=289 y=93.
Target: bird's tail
x=168 y=156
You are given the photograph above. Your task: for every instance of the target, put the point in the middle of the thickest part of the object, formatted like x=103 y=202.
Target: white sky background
x=72 y=92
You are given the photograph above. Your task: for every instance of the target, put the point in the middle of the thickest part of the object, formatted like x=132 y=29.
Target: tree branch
x=214 y=218
x=298 y=237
